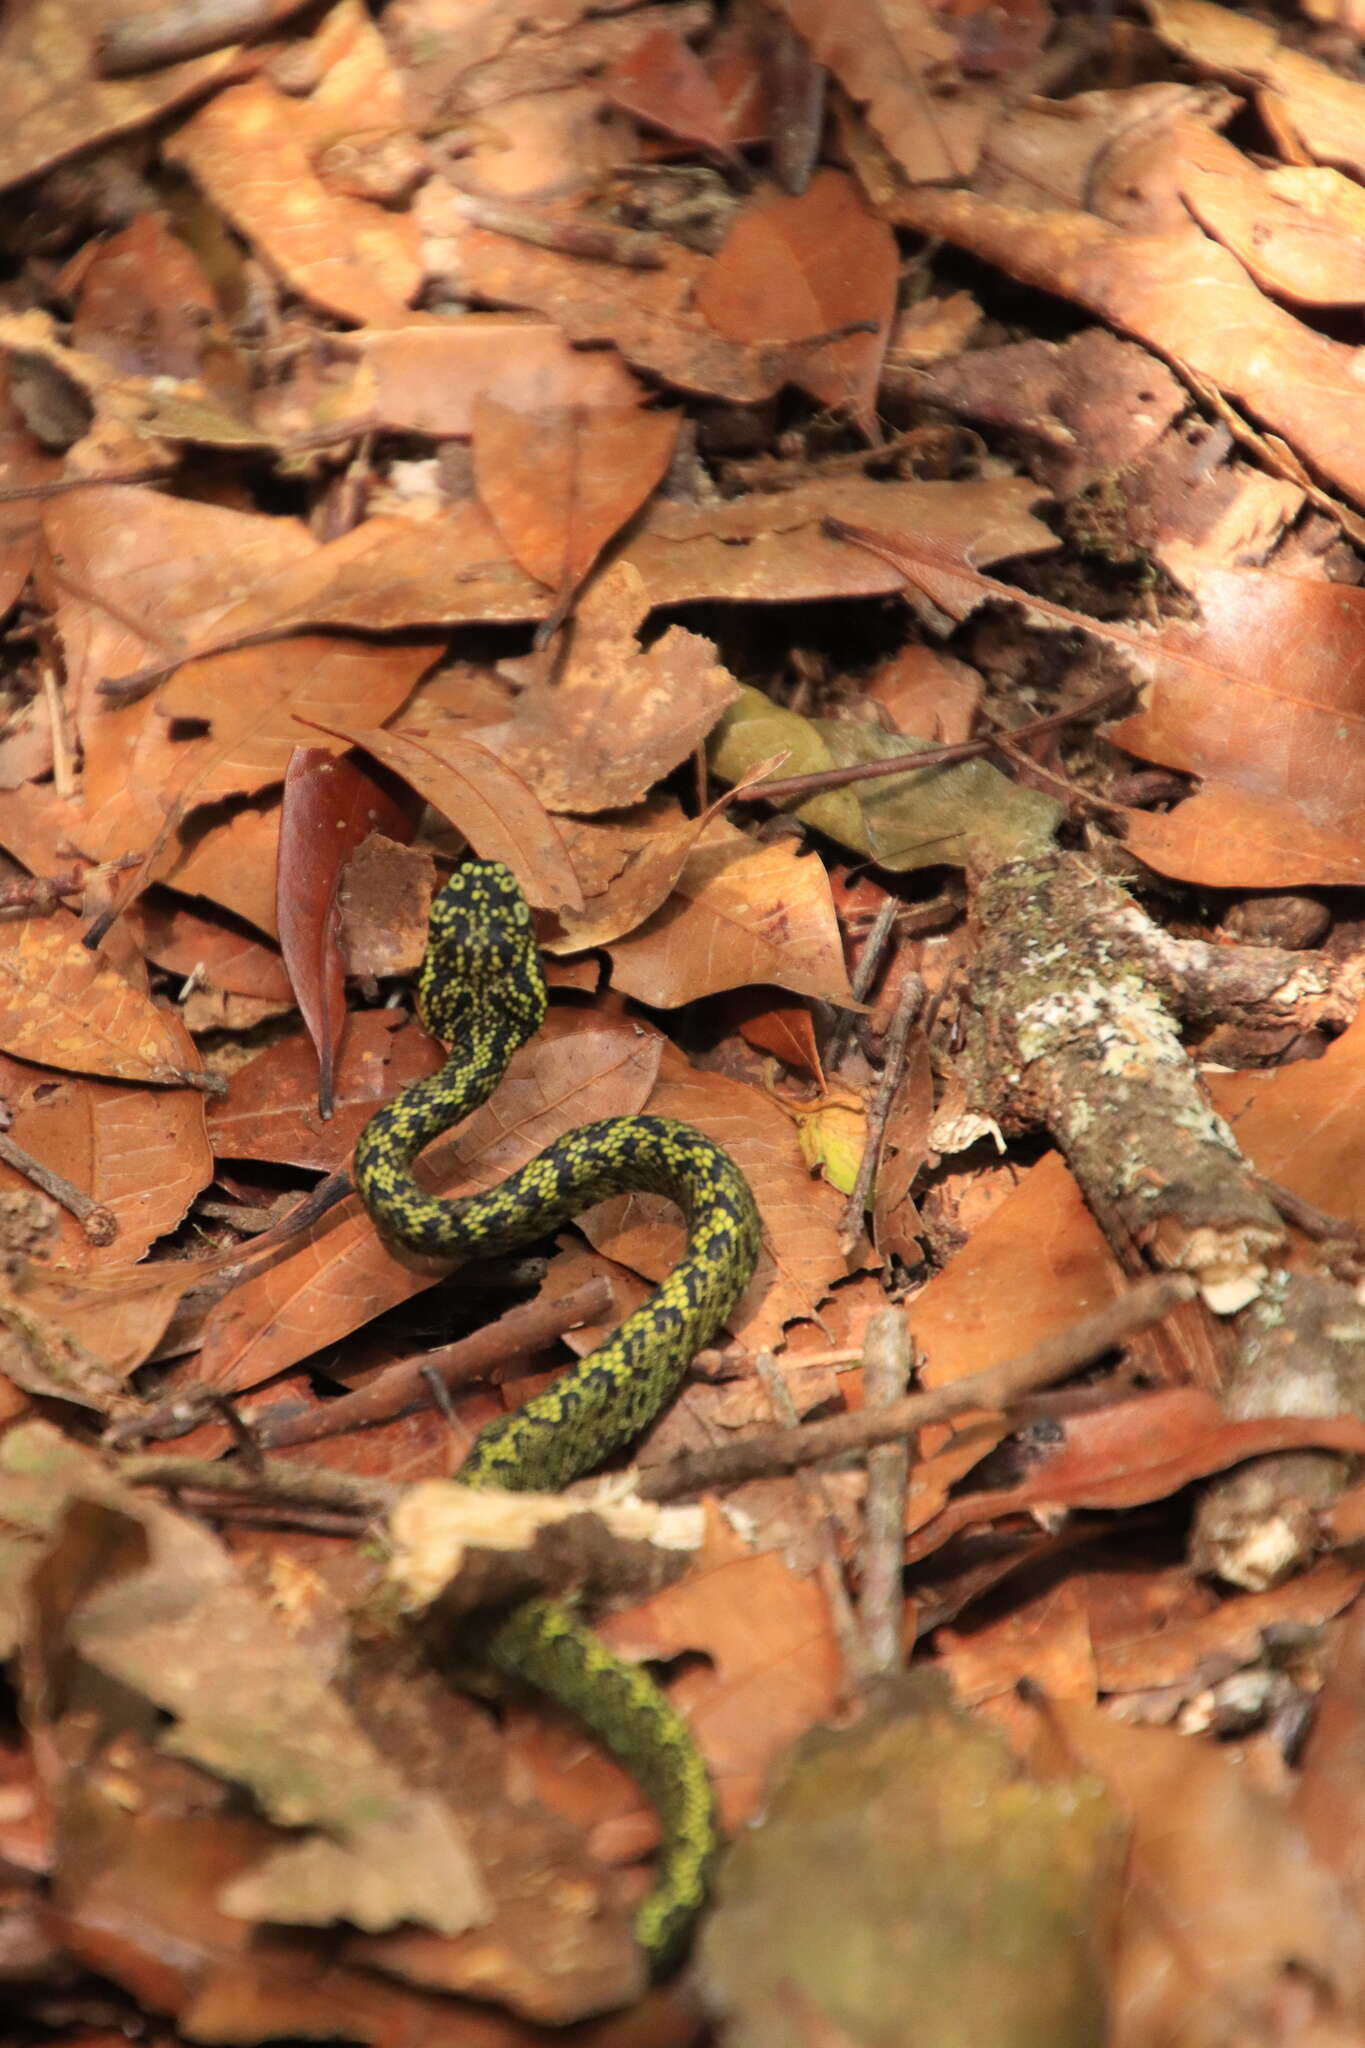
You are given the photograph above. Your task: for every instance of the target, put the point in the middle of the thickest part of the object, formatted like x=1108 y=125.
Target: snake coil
x=481 y=990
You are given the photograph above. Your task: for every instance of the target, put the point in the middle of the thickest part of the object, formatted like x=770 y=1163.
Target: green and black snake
x=482 y=991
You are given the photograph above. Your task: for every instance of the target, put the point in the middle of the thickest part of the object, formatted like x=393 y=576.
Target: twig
x=63 y=765
x=275 y=1482
x=188 y=28
x=57 y=487
x=860 y=980
x=100 y=1223
x=907 y=1009
x=786 y=1450
x=42 y=893
x=487 y=1352
x=597 y=240
x=1307 y=1217
x=844 y=1621
x=887 y=1360
x=934 y=757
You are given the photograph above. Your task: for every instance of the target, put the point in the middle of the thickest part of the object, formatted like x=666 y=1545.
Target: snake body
x=482 y=991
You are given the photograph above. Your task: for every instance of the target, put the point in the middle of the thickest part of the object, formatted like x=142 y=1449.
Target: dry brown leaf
x=24 y=462
x=1225 y=838
x=1166 y=1651
x=797 y=268
x=428 y=380
x=648 y=315
x=617 y=718
x=54 y=103
x=483 y=798
x=270 y=1110
x=1203 y=1960
x=1262 y=695
x=772 y=1669
x=1318 y=112
x=742 y=914
x=1035 y=1266
x=1186 y=297
x=247 y=148
x=141 y=1153
x=770 y=548
x=1300 y=1124
x=627 y=864
x=79 y=1335
x=185 y=941
x=231 y=859
x=1296 y=229
x=892 y=55
x=142 y=780
x=559 y=483
x=66 y=1006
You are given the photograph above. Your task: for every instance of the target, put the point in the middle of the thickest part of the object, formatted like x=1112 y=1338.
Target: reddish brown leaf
x=141 y=1153
x=663 y=82
x=793 y=269
x=329 y=807
x=559 y=484
x=267 y=1112
x=482 y=798
x=187 y=942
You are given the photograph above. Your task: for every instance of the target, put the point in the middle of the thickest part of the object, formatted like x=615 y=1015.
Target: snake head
x=482 y=967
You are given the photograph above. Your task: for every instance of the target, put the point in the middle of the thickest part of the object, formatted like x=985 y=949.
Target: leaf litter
x=535 y=437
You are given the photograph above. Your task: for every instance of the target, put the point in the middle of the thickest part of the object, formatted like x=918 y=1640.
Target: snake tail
x=481 y=989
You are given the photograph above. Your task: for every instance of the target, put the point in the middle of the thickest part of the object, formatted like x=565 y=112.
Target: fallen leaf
x=484 y=799
x=558 y=484
x=141 y=1153
x=270 y=1109
x=800 y=268
x=328 y=808
x=247 y=148
x=740 y=914
x=69 y=1007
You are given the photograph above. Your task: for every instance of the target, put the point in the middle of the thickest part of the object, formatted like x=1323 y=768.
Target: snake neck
x=424 y=1110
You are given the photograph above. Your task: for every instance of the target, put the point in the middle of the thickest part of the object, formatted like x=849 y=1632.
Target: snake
x=481 y=989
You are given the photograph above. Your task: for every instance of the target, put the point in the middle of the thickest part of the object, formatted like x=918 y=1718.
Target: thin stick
x=852 y=1656
x=786 y=1450
x=934 y=757
x=874 y=945
x=100 y=1224
x=907 y=1009
x=881 y=1601
x=276 y=1481
x=520 y=1333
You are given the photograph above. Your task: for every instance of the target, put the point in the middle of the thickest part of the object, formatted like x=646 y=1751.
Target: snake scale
x=482 y=991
